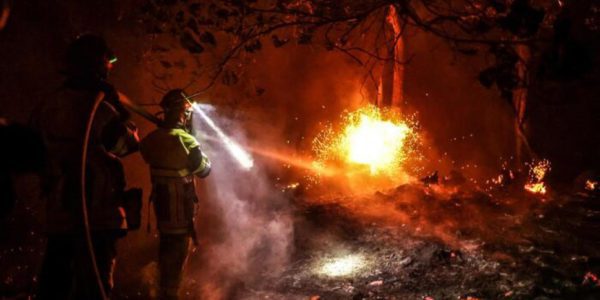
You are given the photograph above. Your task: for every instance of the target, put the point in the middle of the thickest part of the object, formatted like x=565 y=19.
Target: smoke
x=244 y=223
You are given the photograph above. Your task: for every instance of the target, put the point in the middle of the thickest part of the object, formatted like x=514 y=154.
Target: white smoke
x=250 y=231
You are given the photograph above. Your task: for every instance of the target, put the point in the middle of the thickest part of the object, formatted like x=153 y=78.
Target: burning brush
x=537 y=173
x=377 y=139
x=591 y=185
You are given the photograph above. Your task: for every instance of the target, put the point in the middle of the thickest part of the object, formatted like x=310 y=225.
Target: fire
x=537 y=173
x=370 y=137
x=590 y=277
x=591 y=185
x=374 y=142
x=536 y=188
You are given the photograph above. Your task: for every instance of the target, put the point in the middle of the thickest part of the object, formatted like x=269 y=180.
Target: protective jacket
x=174 y=157
x=62 y=120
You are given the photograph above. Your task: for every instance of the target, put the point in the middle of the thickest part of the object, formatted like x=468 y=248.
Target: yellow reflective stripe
x=200 y=167
x=203 y=168
x=169 y=173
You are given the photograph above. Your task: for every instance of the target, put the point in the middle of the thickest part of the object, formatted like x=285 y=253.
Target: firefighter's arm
x=198 y=163
x=120 y=138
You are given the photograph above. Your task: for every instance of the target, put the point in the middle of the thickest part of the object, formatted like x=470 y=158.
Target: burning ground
x=351 y=233
x=361 y=225
x=439 y=237
x=418 y=241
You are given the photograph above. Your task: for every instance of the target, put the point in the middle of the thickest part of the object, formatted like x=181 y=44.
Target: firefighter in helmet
x=175 y=158
x=68 y=270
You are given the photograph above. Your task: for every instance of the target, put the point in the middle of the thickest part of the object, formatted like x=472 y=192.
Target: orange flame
x=591 y=185
x=537 y=173
x=371 y=137
x=536 y=188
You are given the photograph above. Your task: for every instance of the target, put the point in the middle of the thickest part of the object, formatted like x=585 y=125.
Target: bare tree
x=371 y=33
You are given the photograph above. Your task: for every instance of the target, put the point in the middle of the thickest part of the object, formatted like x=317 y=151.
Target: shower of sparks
x=342 y=266
x=370 y=137
x=537 y=173
x=240 y=155
x=374 y=142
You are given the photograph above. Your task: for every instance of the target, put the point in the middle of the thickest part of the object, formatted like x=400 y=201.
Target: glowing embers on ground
x=591 y=185
x=537 y=172
x=344 y=265
x=369 y=136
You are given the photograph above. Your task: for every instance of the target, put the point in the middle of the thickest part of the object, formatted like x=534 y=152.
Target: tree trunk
x=522 y=148
x=391 y=89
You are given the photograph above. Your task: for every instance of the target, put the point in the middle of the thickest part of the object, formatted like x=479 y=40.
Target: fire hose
x=88 y=235
x=148 y=116
x=86 y=223
x=235 y=150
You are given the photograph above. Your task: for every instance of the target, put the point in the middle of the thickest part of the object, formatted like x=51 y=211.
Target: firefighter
x=174 y=157
x=68 y=270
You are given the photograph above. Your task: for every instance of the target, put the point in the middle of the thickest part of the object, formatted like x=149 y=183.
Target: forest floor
x=432 y=242
x=415 y=241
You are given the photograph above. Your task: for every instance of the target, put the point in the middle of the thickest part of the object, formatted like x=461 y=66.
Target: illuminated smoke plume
x=232 y=147
x=244 y=227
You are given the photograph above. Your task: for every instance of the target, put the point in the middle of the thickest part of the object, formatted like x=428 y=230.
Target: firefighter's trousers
x=173 y=252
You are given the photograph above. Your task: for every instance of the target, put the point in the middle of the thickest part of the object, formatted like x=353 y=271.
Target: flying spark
x=537 y=173
x=370 y=136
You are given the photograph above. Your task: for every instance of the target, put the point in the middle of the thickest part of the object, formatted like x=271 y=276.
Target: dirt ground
x=412 y=244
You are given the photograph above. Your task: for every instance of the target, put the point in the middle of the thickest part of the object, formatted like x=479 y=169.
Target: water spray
x=234 y=149
x=241 y=155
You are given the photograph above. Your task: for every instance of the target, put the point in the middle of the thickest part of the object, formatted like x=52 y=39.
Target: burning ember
x=342 y=266
x=370 y=137
x=537 y=173
x=591 y=185
x=591 y=278
x=536 y=188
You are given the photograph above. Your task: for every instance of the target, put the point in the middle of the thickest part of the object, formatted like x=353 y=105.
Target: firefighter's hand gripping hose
x=86 y=223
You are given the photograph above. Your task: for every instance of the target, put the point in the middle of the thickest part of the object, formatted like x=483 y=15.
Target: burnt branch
x=346 y=26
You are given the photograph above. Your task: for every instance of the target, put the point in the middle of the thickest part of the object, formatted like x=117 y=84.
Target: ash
x=421 y=242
